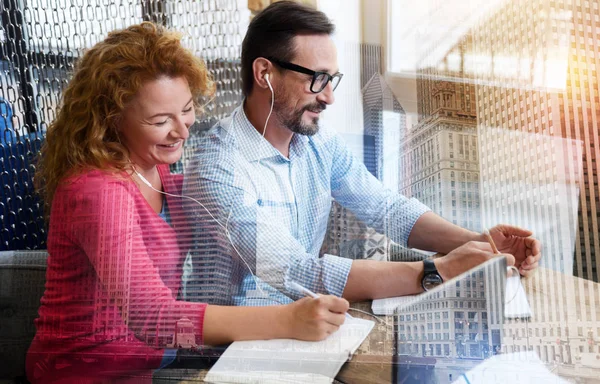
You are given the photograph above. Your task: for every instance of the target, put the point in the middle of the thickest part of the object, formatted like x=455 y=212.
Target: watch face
x=431 y=280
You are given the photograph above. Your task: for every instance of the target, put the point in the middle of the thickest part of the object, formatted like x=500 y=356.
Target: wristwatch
x=431 y=277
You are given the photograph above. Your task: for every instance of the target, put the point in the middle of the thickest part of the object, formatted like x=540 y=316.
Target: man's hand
x=465 y=257
x=519 y=243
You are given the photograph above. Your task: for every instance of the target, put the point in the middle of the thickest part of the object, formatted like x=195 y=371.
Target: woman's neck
x=150 y=185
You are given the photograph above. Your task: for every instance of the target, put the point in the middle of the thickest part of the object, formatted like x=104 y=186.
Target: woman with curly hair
x=115 y=260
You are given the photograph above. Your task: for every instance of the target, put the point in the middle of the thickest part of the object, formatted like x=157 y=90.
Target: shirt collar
x=298 y=145
x=253 y=146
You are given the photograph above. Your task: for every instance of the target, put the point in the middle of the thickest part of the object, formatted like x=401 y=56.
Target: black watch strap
x=429 y=266
x=431 y=277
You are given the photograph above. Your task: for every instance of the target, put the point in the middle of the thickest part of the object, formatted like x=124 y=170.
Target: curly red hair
x=106 y=78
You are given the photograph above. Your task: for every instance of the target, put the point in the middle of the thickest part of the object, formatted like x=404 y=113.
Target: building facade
x=537 y=111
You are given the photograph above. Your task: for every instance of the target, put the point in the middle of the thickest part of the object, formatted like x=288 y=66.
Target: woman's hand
x=306 y=319
x=315 y=318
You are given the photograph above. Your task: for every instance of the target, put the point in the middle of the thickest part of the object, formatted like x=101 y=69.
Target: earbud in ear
x=268 y=82
x=266 y=77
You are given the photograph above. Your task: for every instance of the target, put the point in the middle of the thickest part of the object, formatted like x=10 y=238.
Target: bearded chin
x=295 y=124
x=307 y=129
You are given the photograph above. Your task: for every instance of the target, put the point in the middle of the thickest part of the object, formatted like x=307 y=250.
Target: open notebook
x=515 y=300
x=290 y=361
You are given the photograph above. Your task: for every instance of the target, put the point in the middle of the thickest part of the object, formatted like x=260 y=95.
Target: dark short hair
x=271 y=34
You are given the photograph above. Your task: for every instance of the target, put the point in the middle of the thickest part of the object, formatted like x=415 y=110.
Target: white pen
x=487 y=235
x=310 y=293
x=509 y=269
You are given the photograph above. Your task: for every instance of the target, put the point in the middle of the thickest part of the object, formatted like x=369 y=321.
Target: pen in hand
x=510 y=269
x=487 y=235
x=310 y=293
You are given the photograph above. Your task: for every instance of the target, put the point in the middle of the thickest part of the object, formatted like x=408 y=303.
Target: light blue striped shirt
x=276 y=211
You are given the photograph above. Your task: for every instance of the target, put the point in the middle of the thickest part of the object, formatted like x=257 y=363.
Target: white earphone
x=225 y=227
x=142 y=178
x=272 y=102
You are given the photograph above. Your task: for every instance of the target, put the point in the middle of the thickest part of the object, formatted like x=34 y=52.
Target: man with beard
x=266 y=177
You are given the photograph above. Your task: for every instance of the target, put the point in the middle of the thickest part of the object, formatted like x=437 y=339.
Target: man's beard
x=292 y=120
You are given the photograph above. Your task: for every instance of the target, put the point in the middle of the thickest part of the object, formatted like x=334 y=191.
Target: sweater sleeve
x=108 y=221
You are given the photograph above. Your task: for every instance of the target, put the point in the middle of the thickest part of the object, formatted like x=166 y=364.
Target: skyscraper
x=439 y=156
x=532 y=68
x=385 y=125
x=530 y=164
x=537 y=112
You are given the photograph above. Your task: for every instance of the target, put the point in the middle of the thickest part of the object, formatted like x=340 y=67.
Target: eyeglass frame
x=300 y=69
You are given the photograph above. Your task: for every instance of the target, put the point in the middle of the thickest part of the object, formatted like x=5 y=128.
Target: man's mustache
x=316 y=107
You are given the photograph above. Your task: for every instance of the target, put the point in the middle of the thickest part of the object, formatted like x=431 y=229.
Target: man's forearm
x=370 y=279
x=433 y=233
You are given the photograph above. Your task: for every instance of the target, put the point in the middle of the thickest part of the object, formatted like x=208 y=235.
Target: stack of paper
x=290 y=361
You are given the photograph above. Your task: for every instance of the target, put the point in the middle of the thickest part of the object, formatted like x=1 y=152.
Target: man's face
x=296 y=107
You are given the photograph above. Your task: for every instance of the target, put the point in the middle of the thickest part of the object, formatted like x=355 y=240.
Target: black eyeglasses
x=319 y=79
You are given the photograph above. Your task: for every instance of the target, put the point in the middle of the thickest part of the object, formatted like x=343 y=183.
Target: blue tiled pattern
x=276 y=211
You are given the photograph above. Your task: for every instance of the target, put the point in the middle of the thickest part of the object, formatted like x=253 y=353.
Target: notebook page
x=287 y=360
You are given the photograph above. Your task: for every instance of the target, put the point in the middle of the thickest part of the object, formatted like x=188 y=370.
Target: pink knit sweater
x=114 y=271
